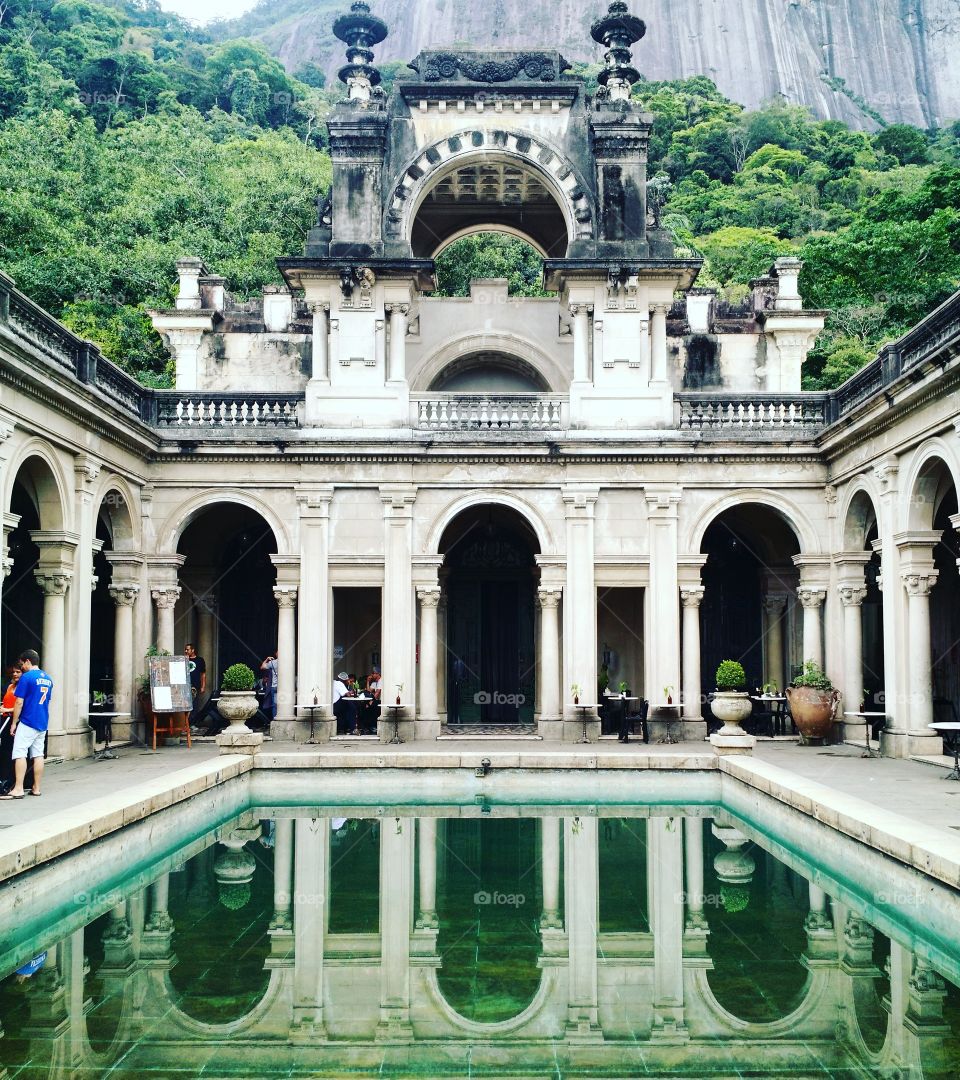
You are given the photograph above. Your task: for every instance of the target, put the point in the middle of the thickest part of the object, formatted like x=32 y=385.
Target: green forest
x=129 y=138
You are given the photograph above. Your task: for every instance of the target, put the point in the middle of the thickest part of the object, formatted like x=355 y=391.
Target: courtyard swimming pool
x=496 y=935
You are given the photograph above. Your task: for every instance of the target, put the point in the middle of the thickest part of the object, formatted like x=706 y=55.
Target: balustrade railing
x=213 y=410
x=795 y=415
x=489 y=412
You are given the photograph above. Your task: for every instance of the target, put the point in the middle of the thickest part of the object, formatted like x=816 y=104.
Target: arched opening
x=491 y=372
x=757 y=910
x=488 y=896
x=860 y=533
x=489 y=577
x=227 y=608
x=486 y=254
x=750 y=584
x=945 y=604
x=490 y=190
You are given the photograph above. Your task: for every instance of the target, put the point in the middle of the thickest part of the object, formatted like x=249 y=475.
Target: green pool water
x=478 y=940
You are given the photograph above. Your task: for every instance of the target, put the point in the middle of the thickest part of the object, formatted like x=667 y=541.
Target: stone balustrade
x=213 y=410
x=489 y=412
x=798 y=415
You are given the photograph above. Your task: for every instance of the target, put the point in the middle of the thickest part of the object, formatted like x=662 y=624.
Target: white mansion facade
x=488 y=498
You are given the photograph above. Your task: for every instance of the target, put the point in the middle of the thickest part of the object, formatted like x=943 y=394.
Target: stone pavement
x=913 y=789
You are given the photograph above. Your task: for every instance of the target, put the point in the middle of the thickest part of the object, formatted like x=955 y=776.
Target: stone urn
x=237 y=707
x=732 y=707
x=235 y=867
x=812 y=711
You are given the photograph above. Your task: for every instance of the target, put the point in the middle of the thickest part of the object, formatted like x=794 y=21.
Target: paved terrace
x=73 y=791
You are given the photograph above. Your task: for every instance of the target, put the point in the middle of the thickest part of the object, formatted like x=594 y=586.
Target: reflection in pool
x=479 y=940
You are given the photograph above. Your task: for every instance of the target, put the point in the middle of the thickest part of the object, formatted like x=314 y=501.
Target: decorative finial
x=618 y=30
x=360 y=31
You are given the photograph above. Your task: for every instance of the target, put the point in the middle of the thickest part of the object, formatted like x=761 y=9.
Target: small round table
x=663 y=706
x=869 y=751
x=584 y=710
x=395 y=711
x=106 y=754
x=950 y=730
x=312 y=710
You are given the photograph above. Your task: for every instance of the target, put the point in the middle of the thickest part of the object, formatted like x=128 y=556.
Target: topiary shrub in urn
x=812 y=699
x=731 y=702
x=237 y=702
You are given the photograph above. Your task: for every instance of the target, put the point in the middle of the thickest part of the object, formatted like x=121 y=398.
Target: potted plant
x=668 y=694
x=731 y=703
x=237 y=702
x=623 y=688
x=399 y=691
x=575 y=690
x=812 y=700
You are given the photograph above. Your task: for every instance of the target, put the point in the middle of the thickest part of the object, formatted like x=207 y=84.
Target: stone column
x=550 y=712
x=775 y=606
x=282 y=920
x=427 y=865
x=580 y=314
x=691 y=597
x=207 y=636
x=311 y=861
x=812 y=598
x=550 y=872
x=428 y=711
x=315 y=651
x=321 y=342
x=397 y=369
x=693 y=870
x=160 y=920
x=54 y=584
x=124 y=595
x=658 y=344
x=665 y=870
x=165 y=599
x=852 y=597
x=286 y=596
x=580 y=884
x=397 y=652
x=662 y=610
x=580 y=608
x=918 y=584
x=396 y=924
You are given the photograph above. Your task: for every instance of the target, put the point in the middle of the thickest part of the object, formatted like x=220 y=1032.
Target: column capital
x=397 y=309
x=318 y=307
x=398 y=499
x=811 y=596
x=662 y=499
x=919 y=582
x=314 y=501
x=124 y=594
x=852 y=595
x=429 y=595
x=549 y=596
x=774 y=604
x=691 y=596
x=165 y=596
x=886 y=472
x=660 y=308
x=207 y=603
x=580 y=498
x=86 y=469
x=285 y=595
x=53 y=582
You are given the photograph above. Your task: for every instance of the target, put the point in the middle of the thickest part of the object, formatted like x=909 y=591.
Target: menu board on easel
x=170 y=684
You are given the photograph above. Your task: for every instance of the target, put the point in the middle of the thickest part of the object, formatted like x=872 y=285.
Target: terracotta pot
x=812 y=711
x=732 y=707
x=237 y=707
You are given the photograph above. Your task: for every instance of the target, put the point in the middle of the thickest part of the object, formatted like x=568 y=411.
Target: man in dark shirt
x=197 y=667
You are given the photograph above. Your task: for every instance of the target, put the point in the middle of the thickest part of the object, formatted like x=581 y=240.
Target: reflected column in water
x=396 y=923
x=580 y=878
x=665 y=871
x=550 y=872
x=282 y=921
x=696 y=922
x=159 y=905
x=916 y=1014
x=311 y=857
x=427 y=916
x=818 y=924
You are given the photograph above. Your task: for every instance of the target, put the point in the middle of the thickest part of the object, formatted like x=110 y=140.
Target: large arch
x=497 y=497
x=859 y=515
x=179 y=519
x=512 y=158
x=931 y=475
x=116 y=504
x=461 y=347
x=37 y=469
x=794 y=518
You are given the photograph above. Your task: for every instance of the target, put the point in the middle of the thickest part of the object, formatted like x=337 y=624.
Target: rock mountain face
x=845 y=59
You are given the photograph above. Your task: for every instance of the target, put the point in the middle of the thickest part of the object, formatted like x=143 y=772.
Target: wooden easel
x=171 y=697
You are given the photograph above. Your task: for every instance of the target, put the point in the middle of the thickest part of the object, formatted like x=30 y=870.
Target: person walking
x=31 y=718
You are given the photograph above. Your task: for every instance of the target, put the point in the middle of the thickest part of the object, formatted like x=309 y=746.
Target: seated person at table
x=371 y=713
x=341 y=710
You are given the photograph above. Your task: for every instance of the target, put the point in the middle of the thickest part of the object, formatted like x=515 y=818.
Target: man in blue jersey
x=31 y=716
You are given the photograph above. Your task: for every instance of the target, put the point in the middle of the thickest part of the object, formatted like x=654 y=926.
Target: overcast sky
x=201 y=11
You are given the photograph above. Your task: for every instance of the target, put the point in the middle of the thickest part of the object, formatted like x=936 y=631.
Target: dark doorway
x=22 y=596
x=490 y=581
